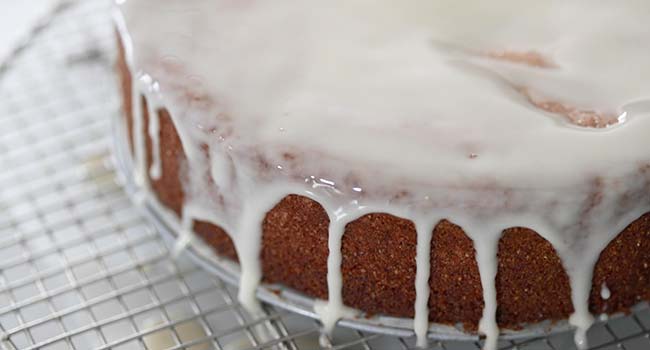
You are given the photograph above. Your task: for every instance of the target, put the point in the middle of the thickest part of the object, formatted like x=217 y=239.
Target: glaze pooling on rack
x=272 y=99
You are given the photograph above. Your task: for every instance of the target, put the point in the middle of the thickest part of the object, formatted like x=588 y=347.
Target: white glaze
x=155 y=171
x=375 y=99
x=486 y=240
x=424 y=228
x=605 y=293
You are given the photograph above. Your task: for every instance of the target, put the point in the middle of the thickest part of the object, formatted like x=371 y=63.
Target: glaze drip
x=424 y=227
x=272 y=99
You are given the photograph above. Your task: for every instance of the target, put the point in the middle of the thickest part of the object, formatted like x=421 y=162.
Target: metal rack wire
x=80 y=269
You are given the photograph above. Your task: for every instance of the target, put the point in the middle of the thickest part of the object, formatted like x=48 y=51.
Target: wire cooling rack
x=81 y=269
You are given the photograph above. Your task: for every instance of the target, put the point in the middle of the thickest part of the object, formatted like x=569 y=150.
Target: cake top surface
x=520 y=94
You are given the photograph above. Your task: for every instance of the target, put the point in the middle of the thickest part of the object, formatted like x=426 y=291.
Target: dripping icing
x=486 y=240
x=155 y=171
x=247 y=196
x=424 y=228
x=605 y=293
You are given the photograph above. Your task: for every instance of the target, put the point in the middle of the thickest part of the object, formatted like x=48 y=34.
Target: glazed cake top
x=445 y=90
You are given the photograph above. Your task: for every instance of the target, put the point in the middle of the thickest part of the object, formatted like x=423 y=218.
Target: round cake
x=453 y=162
